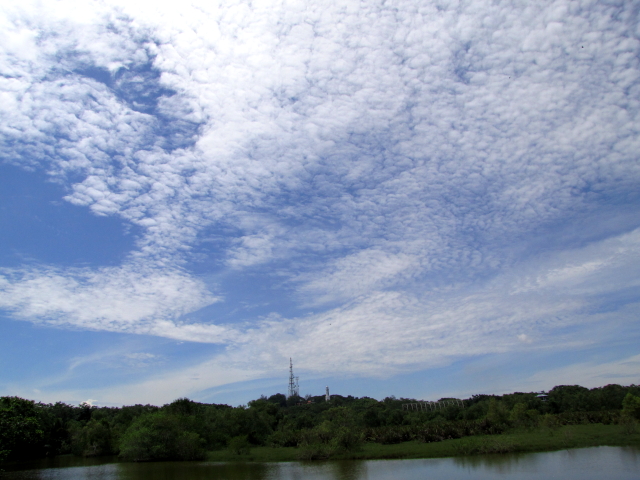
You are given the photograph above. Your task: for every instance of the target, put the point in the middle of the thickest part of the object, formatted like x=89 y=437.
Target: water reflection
x=582 y=464
x=96 y=472
x=502 y=464
x=195 y=471
x=349 y=470
x=63 y=461
x=339 y=470
x=630 y=456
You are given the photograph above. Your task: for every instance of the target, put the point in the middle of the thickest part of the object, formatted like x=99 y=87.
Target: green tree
x=294 y=400
x=338 y=432
x=496 y=412
x=93 y=439
x=160 y=436
x=571 y=398
x=630 y=413
x=631 y=406
x=21 y=434
x=279 y=399
x=521 y=416
x=184 y=406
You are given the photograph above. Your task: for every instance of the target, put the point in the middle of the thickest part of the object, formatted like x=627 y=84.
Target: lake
x=620 y=463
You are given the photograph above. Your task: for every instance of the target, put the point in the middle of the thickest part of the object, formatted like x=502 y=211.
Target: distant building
x=327 y=397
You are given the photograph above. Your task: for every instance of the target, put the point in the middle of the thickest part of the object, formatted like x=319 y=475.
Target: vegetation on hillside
x=187 y=430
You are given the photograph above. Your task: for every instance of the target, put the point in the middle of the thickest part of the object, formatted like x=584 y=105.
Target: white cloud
x=524 y=338
x=624 y=371
x=128 y=299
x=606 y=266
x=357 y=274
x=449 y=127
x=158 y=389
x=390 y=157
x=384 y=333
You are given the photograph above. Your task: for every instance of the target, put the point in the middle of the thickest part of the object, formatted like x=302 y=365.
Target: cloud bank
x=408 y=172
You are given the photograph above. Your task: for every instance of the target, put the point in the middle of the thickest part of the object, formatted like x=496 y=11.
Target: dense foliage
x=185 y=430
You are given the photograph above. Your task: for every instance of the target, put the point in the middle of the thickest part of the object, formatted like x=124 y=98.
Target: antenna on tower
x=294 y=387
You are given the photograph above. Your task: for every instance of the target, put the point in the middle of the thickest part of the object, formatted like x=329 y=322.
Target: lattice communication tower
x=294 y=388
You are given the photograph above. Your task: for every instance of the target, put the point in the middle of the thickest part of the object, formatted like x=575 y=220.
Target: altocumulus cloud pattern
x=421 y=181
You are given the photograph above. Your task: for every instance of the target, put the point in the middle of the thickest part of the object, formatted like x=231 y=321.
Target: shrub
x=328 y=438
x=584 y=418
x=498 y=445
x=629 y=424
x=346 y=439
x=284 y=438
x=240 y=445
x=550 y=423
x=474 y=446
x=315 y=451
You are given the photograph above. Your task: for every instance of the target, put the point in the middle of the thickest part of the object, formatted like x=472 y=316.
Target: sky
x=419 y=199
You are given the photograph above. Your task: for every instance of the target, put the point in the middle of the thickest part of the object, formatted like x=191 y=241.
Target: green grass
x=540 y=440
x=256 y=454
x=574 y=436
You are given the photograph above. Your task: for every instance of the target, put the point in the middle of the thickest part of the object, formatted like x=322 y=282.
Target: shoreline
x=538 y=440
x=515 y=442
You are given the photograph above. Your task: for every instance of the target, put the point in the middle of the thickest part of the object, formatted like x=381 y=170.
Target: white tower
x=327 y=397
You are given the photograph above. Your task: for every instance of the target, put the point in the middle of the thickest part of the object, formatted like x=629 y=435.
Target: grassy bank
x=540 y=440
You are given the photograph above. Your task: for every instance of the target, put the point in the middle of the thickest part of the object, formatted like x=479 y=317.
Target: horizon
x=307 y=396
x=91 y=403
x=428 y=199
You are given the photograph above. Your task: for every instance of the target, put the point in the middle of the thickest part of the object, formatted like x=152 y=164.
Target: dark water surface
x=619 y=463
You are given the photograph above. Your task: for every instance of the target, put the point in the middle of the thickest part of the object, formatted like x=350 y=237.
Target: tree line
x=186 y=430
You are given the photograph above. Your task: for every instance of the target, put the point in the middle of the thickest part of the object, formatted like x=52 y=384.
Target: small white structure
x=327 y=397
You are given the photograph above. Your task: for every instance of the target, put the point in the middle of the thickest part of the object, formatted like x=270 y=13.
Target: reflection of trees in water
x=348 y=470
x=502 y=462
x=604 y=462
x=629 y=456
x=197 y=471
x=326 y=470
x=574 y=462
x=243 y=471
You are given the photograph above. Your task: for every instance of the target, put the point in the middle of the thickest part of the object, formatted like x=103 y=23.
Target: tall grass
x=536 y=440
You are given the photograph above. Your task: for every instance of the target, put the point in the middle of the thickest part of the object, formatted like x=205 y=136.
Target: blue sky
x=419 y=199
